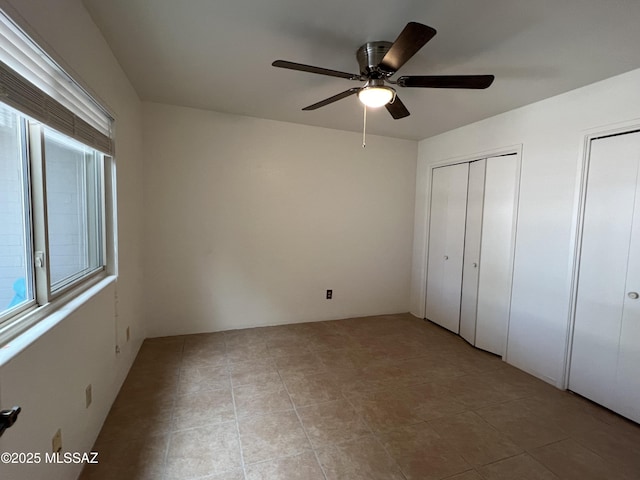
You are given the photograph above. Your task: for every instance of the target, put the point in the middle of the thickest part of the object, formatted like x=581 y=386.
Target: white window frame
x=63 y=105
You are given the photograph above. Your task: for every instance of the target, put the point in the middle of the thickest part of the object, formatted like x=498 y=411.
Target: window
x=51 y=212
x=56 y=184
x=74 y=209
x=16 y=274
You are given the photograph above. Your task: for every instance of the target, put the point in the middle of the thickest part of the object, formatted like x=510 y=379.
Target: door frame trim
x=621 y=128
x=516 y=149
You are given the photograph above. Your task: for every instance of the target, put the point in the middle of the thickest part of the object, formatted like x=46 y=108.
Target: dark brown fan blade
x=447 y=81
x=311 y=69
x=397 y=109
x=411 y=39
x=335 y=98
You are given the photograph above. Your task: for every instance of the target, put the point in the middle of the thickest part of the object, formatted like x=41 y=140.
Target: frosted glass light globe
x=375 y=96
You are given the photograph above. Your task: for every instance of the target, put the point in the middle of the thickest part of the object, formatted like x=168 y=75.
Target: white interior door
x=446 y=244
x=470 y=268
x=628 y=375
x=606 y=338
x=496 y=252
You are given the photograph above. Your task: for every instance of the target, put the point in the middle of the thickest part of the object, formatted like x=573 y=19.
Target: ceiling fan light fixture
x=379 y=62
x=376 y=96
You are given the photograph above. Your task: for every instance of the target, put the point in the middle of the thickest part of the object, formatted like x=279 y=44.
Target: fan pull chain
x=364 y=128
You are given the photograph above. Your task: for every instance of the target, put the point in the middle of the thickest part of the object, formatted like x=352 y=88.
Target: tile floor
x=387 y=397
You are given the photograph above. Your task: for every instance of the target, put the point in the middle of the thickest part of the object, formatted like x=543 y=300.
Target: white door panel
x=628 y=374
x=606 y=320
x=494 y=285
x=470 y=269
x=446 y=245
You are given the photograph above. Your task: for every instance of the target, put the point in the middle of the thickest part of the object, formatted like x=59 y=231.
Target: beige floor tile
x=362 y=459
x=265 y=437
x=282 y=335
x=312 y=389
x=394 y=347
x=131 y=418
x=245 y=336
x=298 y=467
x=521 y=467
x=241 y=352
x=262 y=374
x=439 y=406
x=431 y=400
x=472 y=360
x=301 y=364
x=331 y=341
x=429 y=368
x=254 y=401
x=473 y=438
x=149 y=384
x=266 y=383
x=567 y=412
x=205 y=341
x=618 y=444
x=230 y=475
x=140 y=458
x=203 y=408
x=203 y=451
x=387 y=374
x=196 y=358
x=197 y=379
x=332 y=423
x=156 y=363
x=521 y=425
x=386 y=409
x=474 y=392
x=422 y=453
x=372 y=378
x=571 y=461
x=470 y=475
x=515 y=383
x=286 y=348
x=345 y=359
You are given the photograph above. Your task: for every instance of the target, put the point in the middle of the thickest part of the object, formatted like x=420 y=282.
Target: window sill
x=44 y=318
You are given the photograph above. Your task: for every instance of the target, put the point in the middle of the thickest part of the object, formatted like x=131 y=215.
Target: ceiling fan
x=379 y=61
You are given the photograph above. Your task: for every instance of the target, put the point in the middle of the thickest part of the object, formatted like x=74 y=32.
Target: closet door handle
x=633 y=295
x=474 y=265
x=446 y=257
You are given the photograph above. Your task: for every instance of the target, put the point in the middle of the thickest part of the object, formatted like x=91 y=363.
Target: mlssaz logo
x=72 y=457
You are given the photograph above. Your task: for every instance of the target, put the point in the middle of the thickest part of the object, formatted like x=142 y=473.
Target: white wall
x=552 y=134
x=48 y=379
x=249 y=221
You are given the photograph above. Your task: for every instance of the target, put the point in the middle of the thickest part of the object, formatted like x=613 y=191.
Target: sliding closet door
x=446 y=244
x=606 y=337
x=627 y=376
x=470 y=269
x=494 y=283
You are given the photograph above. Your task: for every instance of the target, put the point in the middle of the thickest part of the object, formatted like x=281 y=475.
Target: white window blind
x=35 y=84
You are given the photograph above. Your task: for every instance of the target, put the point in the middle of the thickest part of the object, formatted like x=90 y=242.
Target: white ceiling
x=217 y=54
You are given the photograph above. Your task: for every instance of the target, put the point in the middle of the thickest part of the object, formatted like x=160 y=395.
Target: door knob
x=474 y=265
x=446 y=257
x=633 y=295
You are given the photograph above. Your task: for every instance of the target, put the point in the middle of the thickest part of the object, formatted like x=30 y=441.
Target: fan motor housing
x=369 y=57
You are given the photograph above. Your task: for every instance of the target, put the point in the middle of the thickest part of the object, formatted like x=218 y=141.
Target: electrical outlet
x=88 y=396
x=128 y=333
x=56 y=442
x=329 y=294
